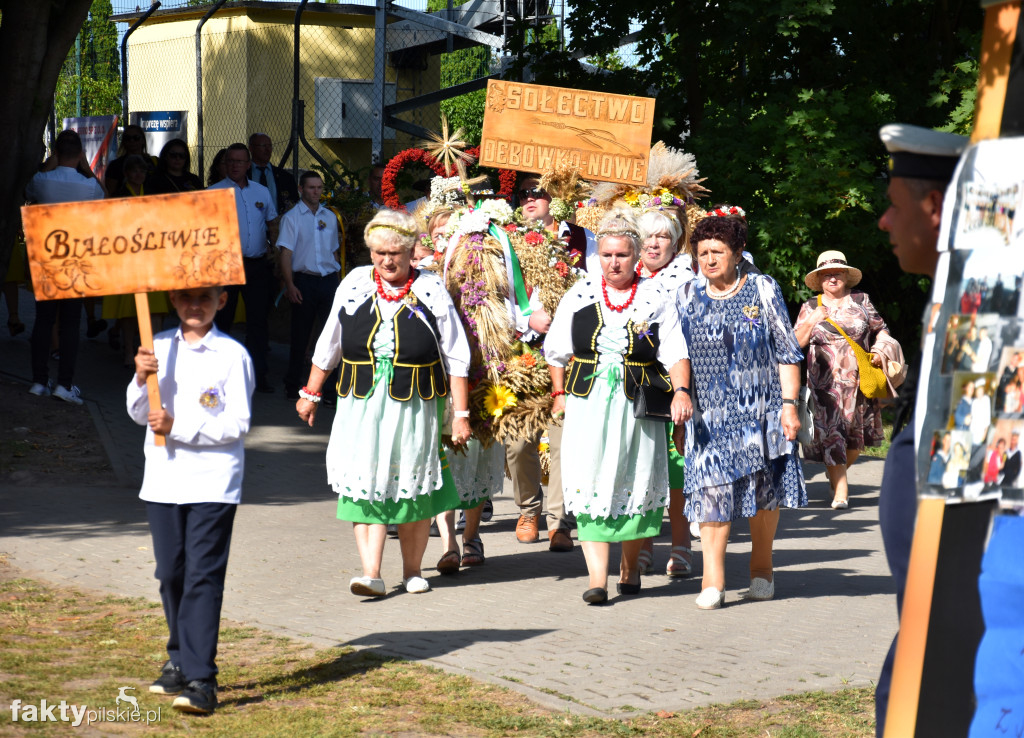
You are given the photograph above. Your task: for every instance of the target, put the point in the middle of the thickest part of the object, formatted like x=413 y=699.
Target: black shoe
x=95 y=327
x=625 y=588
x=488 y=511
x=595 y=595
x=392 y=530
x=171 y=681
x=198 y=697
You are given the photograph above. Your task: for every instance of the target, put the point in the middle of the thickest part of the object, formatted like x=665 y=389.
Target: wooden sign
x=133 y=244
x=533 y=128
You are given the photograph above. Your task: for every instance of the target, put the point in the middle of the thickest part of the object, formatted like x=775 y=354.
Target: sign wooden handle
x=146 y=339
x=905 y=692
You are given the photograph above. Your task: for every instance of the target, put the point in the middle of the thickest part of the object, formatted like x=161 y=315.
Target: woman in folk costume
x=401 y=347
x=621 y=333
x=667 y=212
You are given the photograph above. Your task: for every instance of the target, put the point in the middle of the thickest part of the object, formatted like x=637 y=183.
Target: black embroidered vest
x=641 y=364
x=417 y=360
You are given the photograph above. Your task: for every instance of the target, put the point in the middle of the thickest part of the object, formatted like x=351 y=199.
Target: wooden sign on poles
x=533 y=128
x=133 y=246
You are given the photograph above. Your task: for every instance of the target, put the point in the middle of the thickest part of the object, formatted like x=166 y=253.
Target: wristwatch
x=794 y=403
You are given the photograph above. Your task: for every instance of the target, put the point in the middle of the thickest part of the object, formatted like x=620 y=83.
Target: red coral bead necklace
x=397 y=295
x=627 y=303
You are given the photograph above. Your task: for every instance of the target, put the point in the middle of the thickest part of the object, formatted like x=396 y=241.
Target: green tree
x=92 y=70
x=781 y=101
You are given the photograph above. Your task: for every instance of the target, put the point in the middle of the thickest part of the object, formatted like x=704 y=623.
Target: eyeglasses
x=534 y=193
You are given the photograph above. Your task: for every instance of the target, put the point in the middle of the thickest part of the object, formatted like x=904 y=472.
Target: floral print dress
x=844 y=419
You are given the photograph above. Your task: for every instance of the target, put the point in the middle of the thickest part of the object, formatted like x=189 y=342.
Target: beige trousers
x=524 y=466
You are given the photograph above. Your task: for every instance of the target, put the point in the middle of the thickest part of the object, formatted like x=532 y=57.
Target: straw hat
x=832 y=260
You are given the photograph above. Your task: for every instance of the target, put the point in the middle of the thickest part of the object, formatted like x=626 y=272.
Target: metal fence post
x=199 y=86
x=124 y=60
x=379 y=47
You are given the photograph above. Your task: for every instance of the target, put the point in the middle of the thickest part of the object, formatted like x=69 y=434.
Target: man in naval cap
x=921 y=165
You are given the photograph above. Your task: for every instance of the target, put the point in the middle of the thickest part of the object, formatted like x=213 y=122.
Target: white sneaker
x=710 y=599
x=695 y=531
x=367 y=587
x=73 y=395
x=416 y=585
x=39 y=390
x=760 y=589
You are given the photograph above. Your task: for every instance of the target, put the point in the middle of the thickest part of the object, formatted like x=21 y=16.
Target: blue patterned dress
x=737 y=459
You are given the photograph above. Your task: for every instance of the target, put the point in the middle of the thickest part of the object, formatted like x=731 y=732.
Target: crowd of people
x=652 y=347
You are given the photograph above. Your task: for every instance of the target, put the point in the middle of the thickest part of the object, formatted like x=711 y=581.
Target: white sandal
x=645 y=561
x=678 y=567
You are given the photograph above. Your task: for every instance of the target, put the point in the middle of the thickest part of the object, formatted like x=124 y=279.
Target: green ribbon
x=385 y=370
x=612 y=374
x=518 y=283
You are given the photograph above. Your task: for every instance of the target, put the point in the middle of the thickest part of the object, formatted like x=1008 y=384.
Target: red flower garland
x=506 y=177
x=627 y=303
x=387 y=185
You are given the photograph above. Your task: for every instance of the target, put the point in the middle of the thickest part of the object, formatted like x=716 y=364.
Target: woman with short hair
x=621 y=333
x=395 y=332
x=741 y=461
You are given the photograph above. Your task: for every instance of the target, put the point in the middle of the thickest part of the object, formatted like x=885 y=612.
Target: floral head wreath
x=725 y=211
x=396 y=229
x=619 y=232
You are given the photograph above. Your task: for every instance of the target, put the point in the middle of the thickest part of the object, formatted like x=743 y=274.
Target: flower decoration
x=210 y=397
x=260 y=205
x=533 y=238
x=320 y=225
x=751 y=313
x=410 y=156
x=498 y=399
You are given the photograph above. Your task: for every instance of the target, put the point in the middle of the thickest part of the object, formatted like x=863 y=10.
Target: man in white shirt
x=66 y=183
x=308 y=240
x=257 y=218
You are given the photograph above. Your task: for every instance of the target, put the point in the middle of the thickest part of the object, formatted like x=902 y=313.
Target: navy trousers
x=259 y=284
x=307 y=318
x=191 y=544
x=47 y=311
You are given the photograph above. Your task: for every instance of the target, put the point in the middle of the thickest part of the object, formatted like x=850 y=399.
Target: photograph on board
x=950 y=460
x=971 y=405
x=987 y=215
x=971 y=342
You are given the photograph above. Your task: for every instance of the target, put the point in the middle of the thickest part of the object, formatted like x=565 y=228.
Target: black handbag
x=651 y=403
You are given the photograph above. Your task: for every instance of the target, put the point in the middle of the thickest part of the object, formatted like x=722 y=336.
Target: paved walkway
x=518 y=621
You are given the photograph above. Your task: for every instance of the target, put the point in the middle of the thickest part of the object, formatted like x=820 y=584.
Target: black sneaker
x=199 y=697
x=171 y=681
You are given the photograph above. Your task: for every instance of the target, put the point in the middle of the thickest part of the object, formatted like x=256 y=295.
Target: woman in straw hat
x=845 y=421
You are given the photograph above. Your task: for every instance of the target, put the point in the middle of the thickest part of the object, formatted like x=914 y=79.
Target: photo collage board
x=970 y=406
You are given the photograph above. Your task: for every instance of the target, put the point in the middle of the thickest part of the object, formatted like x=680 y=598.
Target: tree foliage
x=90 y=79
x=781 y=102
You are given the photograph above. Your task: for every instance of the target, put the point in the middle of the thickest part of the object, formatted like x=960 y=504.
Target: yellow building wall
x=248 y=73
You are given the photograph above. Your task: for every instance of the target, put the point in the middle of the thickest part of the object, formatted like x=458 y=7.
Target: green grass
x=59 y=643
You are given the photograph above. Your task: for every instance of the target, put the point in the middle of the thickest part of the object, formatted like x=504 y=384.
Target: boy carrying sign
x=193 y=484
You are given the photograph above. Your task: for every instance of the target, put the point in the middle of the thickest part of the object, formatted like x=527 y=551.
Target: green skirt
x=676 y=462
x=404 y=511
x=622 y=528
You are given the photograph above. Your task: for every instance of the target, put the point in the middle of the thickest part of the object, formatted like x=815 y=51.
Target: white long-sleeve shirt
x=207 y=388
